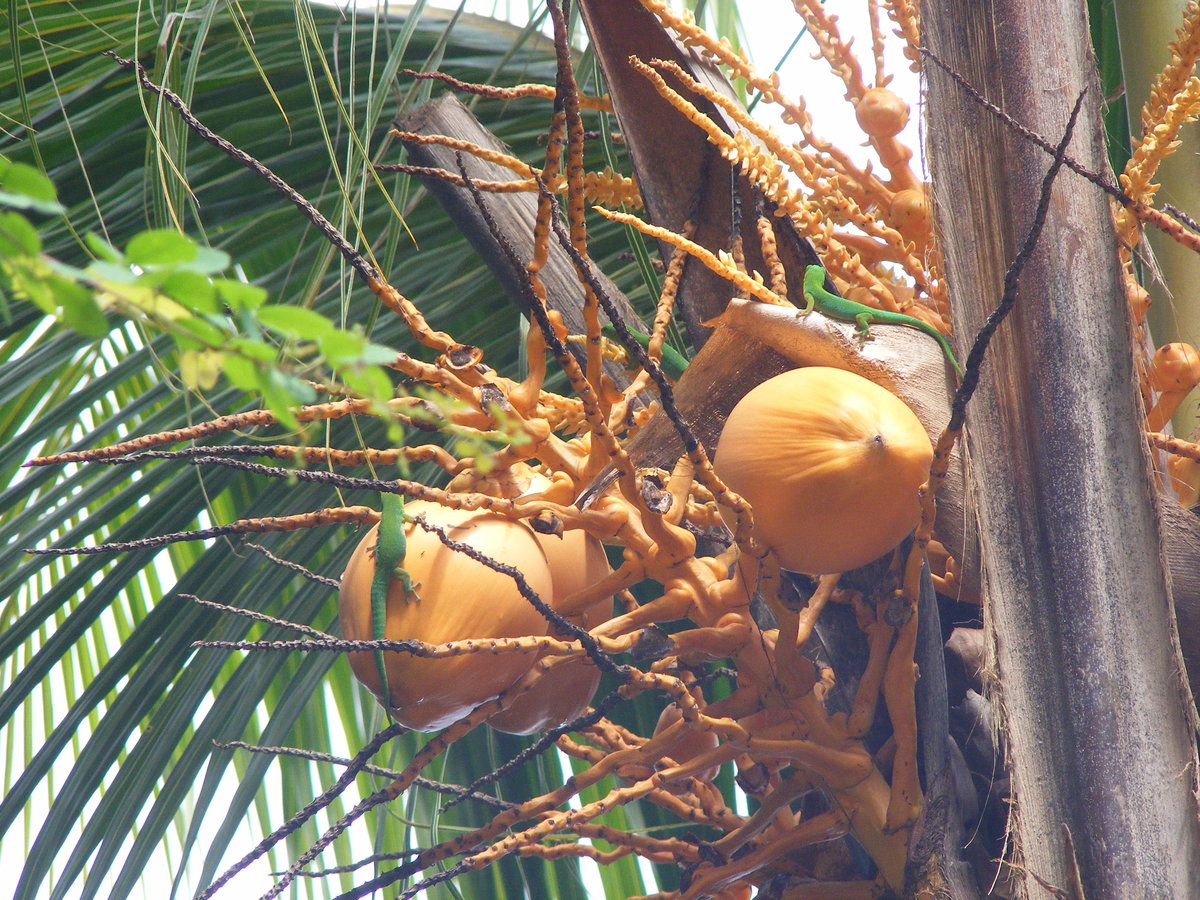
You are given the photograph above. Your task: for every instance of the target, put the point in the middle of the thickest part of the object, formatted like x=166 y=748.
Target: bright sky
x=771 y=27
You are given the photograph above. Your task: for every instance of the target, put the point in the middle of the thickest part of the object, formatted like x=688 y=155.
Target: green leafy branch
x=165 y=280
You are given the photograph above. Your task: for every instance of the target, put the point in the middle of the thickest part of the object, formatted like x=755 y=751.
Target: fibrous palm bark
x=1097 y=717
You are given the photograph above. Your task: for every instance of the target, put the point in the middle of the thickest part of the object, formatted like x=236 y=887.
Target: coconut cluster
x=461 y=599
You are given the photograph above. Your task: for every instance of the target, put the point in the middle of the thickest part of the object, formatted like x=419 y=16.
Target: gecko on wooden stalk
x=850 y=311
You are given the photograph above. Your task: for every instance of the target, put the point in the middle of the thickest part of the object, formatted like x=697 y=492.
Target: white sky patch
x=772 y=25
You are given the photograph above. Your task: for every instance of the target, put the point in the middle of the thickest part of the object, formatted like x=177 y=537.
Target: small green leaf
x=17 y=236
x=256 y=350
x=240 y=295
x=203 y=330
x=192 y=290
x=370 y=382
x=356 y=382
x=379 y=355
x=161 y=247
x=241 y=372
x=278 y=400
x=295 y=321
x=381 y=384
x=79 y=307
x=24 y=187
x=209 y=261
x=17 y=201
x=29 y=282
x=23 y=179
x=102 y=248
x=118 y=273
x=341 y=348
x=300 y=392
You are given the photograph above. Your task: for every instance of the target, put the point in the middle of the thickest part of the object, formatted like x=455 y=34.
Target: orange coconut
x=562 y=693
x=831 y=464
x=459 y=599
x=908 y=212
x=1174 y=371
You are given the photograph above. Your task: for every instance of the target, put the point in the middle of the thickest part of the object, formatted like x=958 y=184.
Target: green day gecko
x=672 y=362
x=390 y=548
x=849 y=311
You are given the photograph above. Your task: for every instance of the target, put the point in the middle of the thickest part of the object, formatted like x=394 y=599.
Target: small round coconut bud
x=881 y=113
x=908 y=213
x=1139 y=301
x=1175 y=367
x=1174 y=371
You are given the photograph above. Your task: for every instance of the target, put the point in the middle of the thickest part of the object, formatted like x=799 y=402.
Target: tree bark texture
x=1096 y=712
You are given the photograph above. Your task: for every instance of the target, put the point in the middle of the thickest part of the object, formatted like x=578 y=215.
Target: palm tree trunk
x=1096 y=714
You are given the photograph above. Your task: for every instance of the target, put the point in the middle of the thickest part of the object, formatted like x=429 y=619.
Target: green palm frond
x=1102 y=22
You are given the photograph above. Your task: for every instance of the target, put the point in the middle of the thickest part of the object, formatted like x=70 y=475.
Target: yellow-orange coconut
x=459 y=599
x=831 y=464
x=576 y=561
